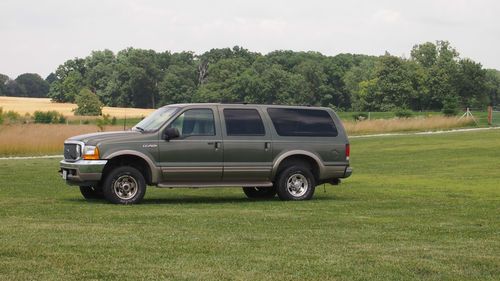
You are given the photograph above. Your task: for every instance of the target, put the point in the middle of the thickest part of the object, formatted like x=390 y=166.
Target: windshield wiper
x=140 y=129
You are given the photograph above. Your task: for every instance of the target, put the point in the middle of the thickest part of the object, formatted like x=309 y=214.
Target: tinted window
x=243 y=122
x=195 y=122
x=302 y=122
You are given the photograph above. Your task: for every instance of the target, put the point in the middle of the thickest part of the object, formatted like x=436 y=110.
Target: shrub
x=403 y=113
x=450 y=106
x=48 y=117
x=360 y=116
x=88 y=103
x=12 y=116
x=113 y=121
x=62 y=119
x=101 y=122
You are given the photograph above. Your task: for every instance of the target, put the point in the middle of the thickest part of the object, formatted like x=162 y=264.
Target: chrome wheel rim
x=125 y=187
x=297 y=185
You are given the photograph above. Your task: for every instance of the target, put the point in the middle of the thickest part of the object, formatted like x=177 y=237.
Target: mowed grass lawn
x=417 y=207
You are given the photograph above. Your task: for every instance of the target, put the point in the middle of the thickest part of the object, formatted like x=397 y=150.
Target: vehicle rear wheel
x=92 y=192
x=124 y=185
x=296 y=183
x=259 y=192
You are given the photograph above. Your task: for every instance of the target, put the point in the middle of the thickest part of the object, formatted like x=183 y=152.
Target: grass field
x=416 y=208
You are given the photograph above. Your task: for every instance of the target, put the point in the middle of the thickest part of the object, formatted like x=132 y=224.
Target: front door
x=247 y=144
x=195 y=156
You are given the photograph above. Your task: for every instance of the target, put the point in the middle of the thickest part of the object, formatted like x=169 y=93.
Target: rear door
x=247 y=143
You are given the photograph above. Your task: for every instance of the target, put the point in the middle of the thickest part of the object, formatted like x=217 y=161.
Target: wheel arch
x=135 y=159
x=298 y=155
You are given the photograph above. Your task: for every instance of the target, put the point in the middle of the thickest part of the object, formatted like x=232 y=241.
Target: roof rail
x=234 y=102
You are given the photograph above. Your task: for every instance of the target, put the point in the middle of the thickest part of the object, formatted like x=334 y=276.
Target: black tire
x=260 y=192
x=92 y=192
x=296 y=182
x=124 y=185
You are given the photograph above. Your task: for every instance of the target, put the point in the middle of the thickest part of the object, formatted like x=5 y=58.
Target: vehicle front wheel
x=124 y=185
x=92 y=192
x=296 y=183
x=259 y=192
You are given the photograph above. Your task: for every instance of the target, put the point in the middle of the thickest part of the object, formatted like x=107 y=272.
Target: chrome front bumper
x=82 y=171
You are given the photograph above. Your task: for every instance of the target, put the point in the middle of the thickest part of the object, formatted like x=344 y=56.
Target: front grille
x=71 y=151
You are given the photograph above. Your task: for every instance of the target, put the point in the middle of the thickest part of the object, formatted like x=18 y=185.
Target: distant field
x=30 y=105
x=416 y=208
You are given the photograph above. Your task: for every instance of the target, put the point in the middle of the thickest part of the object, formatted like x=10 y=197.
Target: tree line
x=433 y=77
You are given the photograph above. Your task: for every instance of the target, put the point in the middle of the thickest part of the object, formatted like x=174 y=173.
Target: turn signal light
x=91 y=154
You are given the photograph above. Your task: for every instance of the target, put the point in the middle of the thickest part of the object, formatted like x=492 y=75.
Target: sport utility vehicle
x=266 y=149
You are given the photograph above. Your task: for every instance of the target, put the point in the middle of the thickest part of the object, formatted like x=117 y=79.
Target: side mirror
x=171 y=133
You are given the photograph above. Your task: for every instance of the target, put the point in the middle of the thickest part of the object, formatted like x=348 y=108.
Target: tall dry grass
x=379 y=126
x=41 y=139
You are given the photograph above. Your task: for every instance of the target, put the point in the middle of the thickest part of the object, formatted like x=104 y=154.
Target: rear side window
x=302 y=122
x=243 y=122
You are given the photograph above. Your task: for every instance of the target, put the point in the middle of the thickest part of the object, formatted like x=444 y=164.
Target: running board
x=215 y=184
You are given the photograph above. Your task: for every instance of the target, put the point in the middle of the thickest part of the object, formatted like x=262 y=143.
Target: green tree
x=222 y=81
x=353 y=77
x=145 y=78
x=137 y=78
x=99 y=66
x=51 y=78
x=69 y=80
x=32 y=85
x=178 y=84
x=493 y=86
x=3 y=80
x=13 y=89
x=471 y=84
x=425 y=54
x=394 y=84
x=88 y=103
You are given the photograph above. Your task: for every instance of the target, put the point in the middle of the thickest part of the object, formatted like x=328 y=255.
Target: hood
x=95 y=138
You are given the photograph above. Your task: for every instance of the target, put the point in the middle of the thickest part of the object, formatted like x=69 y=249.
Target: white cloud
x=387 y=16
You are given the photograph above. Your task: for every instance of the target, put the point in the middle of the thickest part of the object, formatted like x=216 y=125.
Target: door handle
x=216 y=144
x=267 y=146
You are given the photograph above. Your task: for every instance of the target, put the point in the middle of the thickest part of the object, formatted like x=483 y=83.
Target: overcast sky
x=37 y=36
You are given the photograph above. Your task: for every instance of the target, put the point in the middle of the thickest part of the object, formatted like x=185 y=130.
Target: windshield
x=156 y=119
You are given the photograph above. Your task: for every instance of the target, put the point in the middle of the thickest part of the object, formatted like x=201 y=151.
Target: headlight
x=90 y=153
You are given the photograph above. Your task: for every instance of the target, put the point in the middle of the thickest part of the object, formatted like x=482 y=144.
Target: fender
x=282 y=157
x=155 y=171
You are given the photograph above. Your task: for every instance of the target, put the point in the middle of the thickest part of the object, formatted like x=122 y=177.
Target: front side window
x=195 y=122
x=243 y=122
x=302 y=122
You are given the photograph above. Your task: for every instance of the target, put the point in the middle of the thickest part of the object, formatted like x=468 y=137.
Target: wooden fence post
x=490 y=115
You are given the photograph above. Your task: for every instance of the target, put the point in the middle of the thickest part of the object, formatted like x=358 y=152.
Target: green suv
x=266 y=149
